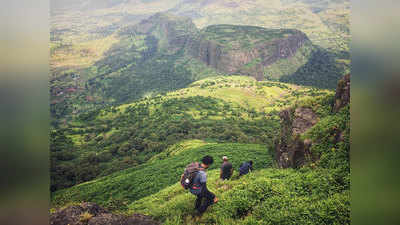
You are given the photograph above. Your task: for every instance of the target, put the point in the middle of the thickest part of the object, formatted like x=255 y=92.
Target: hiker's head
x=225 y=158
x=251 y=162
x=207 y=161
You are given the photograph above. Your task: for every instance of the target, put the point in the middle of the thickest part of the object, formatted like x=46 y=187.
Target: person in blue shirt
x=245 y=168
x=205 y=198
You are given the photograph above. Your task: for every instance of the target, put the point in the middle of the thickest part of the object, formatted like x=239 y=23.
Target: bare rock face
x=231 y=58
x=232 y=61
x=92 y=214
x=342 y=97
x=290 y=150
x=304 y=119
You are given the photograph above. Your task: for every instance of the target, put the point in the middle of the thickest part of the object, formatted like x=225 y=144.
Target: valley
x=141 y=88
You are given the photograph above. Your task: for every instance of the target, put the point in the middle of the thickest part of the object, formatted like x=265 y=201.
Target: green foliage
x=116 y=138
x=331 y=143
x=321 y=70
x=246 y=37
x=149 y=178
x=156 y=56
x=318 y=193
x=267 y=196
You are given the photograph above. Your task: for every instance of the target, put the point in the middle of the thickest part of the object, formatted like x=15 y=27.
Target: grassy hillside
x=225 y=109
x=267 y=196
x=137 y=182
x=316 y=193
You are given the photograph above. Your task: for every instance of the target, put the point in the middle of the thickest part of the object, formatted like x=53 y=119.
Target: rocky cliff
x=249 y=50
x=230 y=49
x=290 y=150
x=293 y=148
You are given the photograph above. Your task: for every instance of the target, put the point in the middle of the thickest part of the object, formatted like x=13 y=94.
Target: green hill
x=317 y=192
x=151 y=177
x=166 y=52
x=267 y=196
x=225 y=109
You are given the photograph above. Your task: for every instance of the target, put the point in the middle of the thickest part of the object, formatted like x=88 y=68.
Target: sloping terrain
x=138 y=182
x=166 y=52
x=234 y=108
x=92 y=214
x=317 y=192
x=267 y=196
x=326 y=22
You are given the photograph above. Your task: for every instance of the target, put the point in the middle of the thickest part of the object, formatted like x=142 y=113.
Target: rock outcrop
x=262 y=48
x=92 y=214
x=230 y=49
x=290 y=150
x=342 y=96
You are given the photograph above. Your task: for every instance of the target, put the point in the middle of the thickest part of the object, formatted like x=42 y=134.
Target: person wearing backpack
x=245 y=168
x=195 y=179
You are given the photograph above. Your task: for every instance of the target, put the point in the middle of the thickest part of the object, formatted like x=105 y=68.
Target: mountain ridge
x=166 y=52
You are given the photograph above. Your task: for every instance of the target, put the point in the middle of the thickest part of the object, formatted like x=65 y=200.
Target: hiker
x=226 y=169
x=195 y=179
x=245 y=168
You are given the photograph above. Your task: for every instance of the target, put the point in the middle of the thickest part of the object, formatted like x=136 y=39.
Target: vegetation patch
x=151 y=177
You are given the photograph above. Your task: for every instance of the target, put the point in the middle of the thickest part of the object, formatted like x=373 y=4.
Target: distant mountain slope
x=254 y=51
x=166 y=52
x=326 y=22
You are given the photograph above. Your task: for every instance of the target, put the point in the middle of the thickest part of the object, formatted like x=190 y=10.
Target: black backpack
x=189 y=174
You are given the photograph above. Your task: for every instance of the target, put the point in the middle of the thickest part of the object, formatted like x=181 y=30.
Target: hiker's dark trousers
x=204 y=199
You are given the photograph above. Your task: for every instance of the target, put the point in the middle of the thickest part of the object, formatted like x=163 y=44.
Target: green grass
x=179 y=148
x=317 y=193
x=224 y=108
x=266 y=196
x=151 y=177
x=244 y=36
